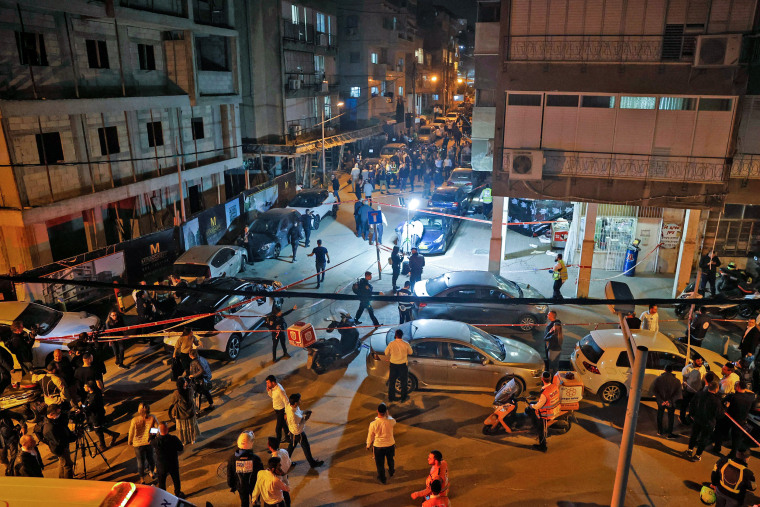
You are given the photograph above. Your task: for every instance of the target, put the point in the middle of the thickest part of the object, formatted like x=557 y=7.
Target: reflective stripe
x=551 y=393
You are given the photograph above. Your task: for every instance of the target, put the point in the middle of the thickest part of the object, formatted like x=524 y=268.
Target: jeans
x=118 y=352
x=320 y=273
x=414 y=278
x=65 y=465
x=301 y=439
x=337 y=196
x=383 y=454
x=382 y=185
x=174 y=474
x=366 y=305
x=144 y=455
x=552 y=360
x=401 y=184
x=281 y=425
x=703 y=283
x=700 y=436
x=397 y=372
x=557 y=285
x=278 y=337
x=671 y=409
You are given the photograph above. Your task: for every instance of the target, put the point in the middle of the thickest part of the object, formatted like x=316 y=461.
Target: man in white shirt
x=380 y=441
x=269 y=486
x=650 y=319
x=296 y=423
x=285 y=463
x=397 y=352
x=693 y=381
x=279 y=402
x=729 y=380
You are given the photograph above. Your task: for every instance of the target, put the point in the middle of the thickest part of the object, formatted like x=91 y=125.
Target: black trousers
x=397 y=372
x=700 y=436
x=685 y=400
x=204 y=389
x=539 y=425
x=671 y=417
x=708 y=278
x=366 y=306
x=245 y=497
x=65 y=465
x=321 y=272
x=278 y=337
x=281 y=425
x=738 y=439
x=295 y=248
x=301 y=439
x=404 y=316
x=414 y=278
x=722 y=429
x=383 y=454
x=185 y=360
x=118 y=351
x=101 y=431
x=8 y=455
x=174 y=474
x=306 y=235
x=557 y=285
x=396 y=271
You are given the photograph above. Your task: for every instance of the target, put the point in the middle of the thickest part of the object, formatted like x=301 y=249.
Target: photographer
x=95 y=411
x=115 y=320
x=200 y=372
x=20 y=344
x=9 y=438
x=57 y=436
x=87 y=373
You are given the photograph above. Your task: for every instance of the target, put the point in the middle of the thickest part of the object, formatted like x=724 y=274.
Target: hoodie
x=242 y=469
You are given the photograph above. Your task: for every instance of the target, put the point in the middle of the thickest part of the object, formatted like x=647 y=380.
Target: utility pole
x=181 y=192
x=324 y=168
x=414 y=89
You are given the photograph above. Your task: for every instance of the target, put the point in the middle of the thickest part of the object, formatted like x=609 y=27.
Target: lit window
x=373 y=57
x=400 y=91
x=375 y=91
x=677 y=103
x=356 y=92
x=638 y=102
x=435 y=96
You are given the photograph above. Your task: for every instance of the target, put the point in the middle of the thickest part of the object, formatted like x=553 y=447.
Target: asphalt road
x=578 y=469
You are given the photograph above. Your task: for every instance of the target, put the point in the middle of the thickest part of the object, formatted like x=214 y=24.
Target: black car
x=453 y=200
x=269 y=232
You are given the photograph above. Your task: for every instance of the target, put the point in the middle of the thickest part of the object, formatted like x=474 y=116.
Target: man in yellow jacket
x=559 y=274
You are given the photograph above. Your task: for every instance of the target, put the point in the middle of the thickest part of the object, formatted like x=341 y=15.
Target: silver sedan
x=453 y=355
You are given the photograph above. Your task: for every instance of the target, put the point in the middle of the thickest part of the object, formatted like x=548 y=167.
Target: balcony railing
x=317 y=81
x=638 y=167
x=600 y=48
x=307 y=34
x=746 y=167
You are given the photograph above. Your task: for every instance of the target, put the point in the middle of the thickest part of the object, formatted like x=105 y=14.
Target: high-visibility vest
x=734 y=481
x=561 y=273
x=551 y=393
x=485 y=196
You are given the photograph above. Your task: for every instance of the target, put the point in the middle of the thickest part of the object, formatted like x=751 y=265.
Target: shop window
x=147 y=57
x=197 y=126
x=677 y=103
x=97 y=54
x=638 y=102
x=109 y=140
x=523 y=99
x=600 y=101
x=31 y=49
x=155 y=134
x=706 y=104
x=49 y=147
x=562 y=100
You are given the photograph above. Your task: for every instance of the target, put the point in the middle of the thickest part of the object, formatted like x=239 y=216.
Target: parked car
x=391 y=149
x=225 y=331
x=320 y=201
x=49 y=323
x=459 y=287
x=453 y=355
x=210 y=261
x=269 y=232
x=601 y=359
x=426 y=135
x=453 y=200
x=451 y=117
x=463 y=177
x=438 y=233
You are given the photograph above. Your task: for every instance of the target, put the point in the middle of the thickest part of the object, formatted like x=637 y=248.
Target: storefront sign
x=671 y=235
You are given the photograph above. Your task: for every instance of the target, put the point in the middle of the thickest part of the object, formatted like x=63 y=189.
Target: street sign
x=374 y=217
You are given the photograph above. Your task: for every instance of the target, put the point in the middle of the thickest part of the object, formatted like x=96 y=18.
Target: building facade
x=117 y=119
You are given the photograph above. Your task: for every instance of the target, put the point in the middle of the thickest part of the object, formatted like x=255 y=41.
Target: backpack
x=355 y=286
x=731 y=476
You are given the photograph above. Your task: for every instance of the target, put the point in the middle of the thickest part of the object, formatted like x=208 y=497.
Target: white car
x=321 y=202
x=426 y=135
x=55 y=329
x=210 y=261
x=602 y=361
x=451 y=117
x=224 y=331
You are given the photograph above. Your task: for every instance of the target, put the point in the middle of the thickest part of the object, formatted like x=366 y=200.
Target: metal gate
x=615 y=227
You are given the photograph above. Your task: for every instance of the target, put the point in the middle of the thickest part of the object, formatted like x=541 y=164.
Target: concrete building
x=440 y=30
x=637 y=110
x=102 y=103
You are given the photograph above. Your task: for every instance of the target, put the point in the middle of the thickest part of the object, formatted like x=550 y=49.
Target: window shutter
x=537 y=20
x=518 y=24
x=593 y=17
x=575 y=13
x=557 y=17
x=613 y=15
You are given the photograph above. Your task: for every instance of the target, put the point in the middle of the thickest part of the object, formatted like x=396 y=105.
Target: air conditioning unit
x=718 y=50
x=524 y=165
x=294 y=84
x=322 y=39
x=325 y=86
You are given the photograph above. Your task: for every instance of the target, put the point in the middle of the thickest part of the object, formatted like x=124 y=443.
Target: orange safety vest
x=551 y=393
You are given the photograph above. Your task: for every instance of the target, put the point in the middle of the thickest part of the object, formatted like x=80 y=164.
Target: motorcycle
x=742 y=305
x=324 y=353
x=24 y=399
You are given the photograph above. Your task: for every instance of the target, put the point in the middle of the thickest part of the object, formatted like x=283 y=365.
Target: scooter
x=325 y=352
x=743 y=295
x=24 y=399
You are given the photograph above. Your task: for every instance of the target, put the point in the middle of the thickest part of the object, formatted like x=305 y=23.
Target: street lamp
x=460 y=80
x=434 y=78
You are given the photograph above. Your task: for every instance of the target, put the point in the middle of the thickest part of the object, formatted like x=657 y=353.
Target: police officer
x=559 y=274
x=397 y=257
x=306 y=219
x=543 y=409
x=405 y=308
x=487 y=200
x=275 y=322
x=242 y=468
x=731 y=479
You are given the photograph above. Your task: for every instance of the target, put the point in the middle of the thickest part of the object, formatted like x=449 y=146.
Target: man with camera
x=95 y=411
x=21 y=343
x=56 y=434
x=9 y=438
x=200 y=372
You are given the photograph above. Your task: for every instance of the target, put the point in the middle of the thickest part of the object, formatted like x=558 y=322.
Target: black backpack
x=355 y=286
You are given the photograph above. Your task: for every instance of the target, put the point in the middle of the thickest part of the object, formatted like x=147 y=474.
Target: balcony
x=215 y=83
x=601 y=49
x=305 y=34
x=171 y=7
x=302 y=84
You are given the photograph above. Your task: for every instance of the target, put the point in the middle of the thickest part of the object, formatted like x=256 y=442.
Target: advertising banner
x=232 y=209
x=213 y=224
x=149 y=253
x=191 y=234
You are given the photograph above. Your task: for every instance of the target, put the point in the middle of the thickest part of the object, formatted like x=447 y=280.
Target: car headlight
x=438 y=239
x=265 y=247
x=536 y=373
x=541 y=308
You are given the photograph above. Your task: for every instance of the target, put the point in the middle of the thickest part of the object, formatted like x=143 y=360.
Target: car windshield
x=190 y=270
x=204 y=300
x=264 y=226
x=388 y=150
x=431 y=223
x=487 y=343
x=443 y=197
x=435 y=286
x=509 y=287
x=590 y=349
x=42 y=316
x=305 y=201
x=461 y=176
x=425 y=131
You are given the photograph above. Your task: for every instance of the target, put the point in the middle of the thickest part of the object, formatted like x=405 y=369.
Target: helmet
x=732 y=265
x=245 y=440
x=707 y=495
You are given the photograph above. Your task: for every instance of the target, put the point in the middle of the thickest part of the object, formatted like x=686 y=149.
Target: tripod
x=85 y=444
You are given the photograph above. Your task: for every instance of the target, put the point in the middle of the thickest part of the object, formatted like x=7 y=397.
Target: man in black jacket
x=667 y=392
x=96 y=414
x=275 y=322
x=306 y=219
x=167 y=448
x=416 y=264
x=21 y=343
x=396 y=259
x=294 y=236
x=242 y=469
x=29 y=462
x=365 y=299
x=709 y=263
x=704 y=409
x=9 y=438
x=57 y=436
x=738 y=406
x=731 y=479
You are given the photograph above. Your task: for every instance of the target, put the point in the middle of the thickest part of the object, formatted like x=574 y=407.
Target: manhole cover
x=481 y=251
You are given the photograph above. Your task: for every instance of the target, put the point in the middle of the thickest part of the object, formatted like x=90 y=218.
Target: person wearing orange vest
x=439 y=470
x=543 y=409
x=436 y=499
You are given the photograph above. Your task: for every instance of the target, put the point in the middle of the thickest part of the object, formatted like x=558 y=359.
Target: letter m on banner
x=213 y=221
x=155 y=248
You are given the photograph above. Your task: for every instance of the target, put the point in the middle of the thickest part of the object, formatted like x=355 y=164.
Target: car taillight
x=590 y=367
x=208 y=272
x=423 y=305
x=456 y=204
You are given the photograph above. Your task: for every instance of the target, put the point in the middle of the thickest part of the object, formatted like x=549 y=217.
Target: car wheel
x=612 y=392
x=243 y=262
x=527 y=322
x=335 y=210
x=745 y=311
x=518 y=381
x=411 y=384
x=233 y=347
x=315 y=222
x=276 y=253
x=681 y=310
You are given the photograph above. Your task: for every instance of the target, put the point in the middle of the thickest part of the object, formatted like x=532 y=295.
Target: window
x=222 y=257
x=155 y=134
x=294 y=17
x=375 y=91
x=49 y=147
x=602 y=101
x=147 y=57
x=109 y=140
x=465 y=294
x=352 y=21
x=419 y=55
x=400 y=91
x=356 y=92
x=197 y=126
x=31 y=49
x=319 y=64
x=435 y=96
x=426 y=349
x=523 y=99
x=706 y=104
x=387 y=24
x=464 y=353
x=373 y=57
x=321 y=28
x=623 y=361
x=212 y=53
x=401 y=64
x=97 y=54
x=562 y=101
x=677 y=103
x=353 y=57
x=489 y=12
x=638 y=102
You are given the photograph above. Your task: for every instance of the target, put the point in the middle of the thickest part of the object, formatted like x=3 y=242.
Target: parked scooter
x=325 y=352
x=742 y=306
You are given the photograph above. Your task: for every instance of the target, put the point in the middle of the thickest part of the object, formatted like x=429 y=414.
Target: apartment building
x=621 y=102
x=378 y=45
x=289 y=68
x=440 y=30
x=117 y=118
